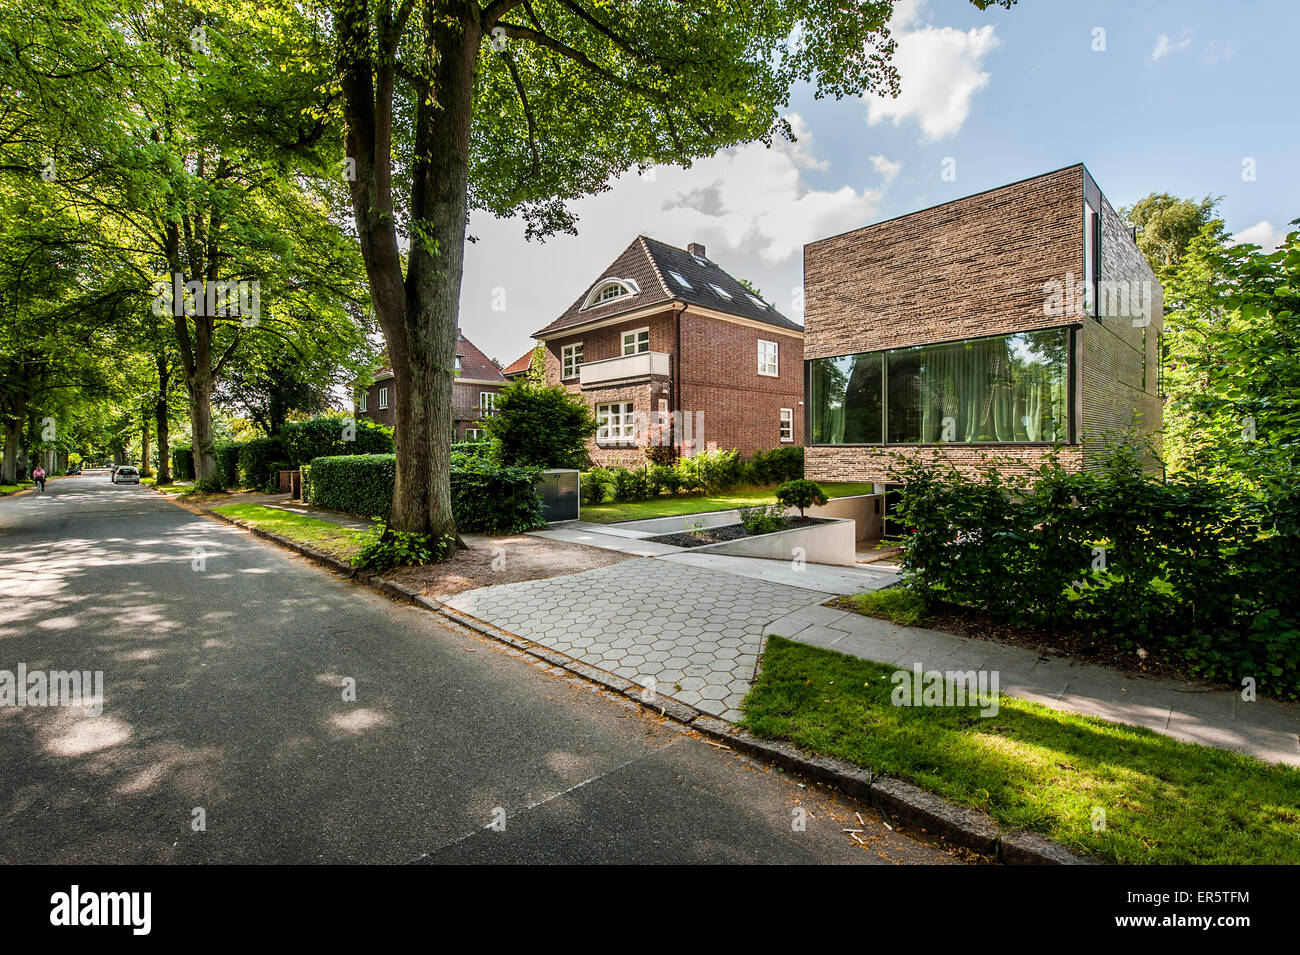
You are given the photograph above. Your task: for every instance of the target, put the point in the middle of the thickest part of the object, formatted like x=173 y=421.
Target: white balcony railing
x=641 y=365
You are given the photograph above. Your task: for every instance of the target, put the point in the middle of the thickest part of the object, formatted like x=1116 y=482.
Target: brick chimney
x=696 y=248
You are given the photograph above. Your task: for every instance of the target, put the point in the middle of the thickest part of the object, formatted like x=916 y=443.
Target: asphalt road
x=224 y=659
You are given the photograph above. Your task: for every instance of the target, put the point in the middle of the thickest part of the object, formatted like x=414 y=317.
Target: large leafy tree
x=1234 y=361
x=1166 y=225
x=517 y=107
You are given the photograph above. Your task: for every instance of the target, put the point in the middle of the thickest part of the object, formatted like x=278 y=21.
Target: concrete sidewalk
x=1264 y=729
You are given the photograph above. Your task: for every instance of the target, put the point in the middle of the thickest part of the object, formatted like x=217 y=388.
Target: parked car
x=125 y=474
x=73 y=469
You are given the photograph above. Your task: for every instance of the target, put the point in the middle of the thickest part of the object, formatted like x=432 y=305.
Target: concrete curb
x=905 y=803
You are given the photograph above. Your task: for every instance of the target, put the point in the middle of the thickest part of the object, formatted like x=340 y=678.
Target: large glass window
x=846 y=401
x=1008 y=388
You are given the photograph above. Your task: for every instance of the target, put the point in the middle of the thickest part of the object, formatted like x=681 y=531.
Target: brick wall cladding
x=979 y=266
x=975 y=266
x=719 y=372
x=463 y=396
x=385 y=416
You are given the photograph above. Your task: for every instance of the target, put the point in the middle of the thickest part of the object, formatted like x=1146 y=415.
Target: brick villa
x=478 y=381
x=992 y=327
x=666 y=330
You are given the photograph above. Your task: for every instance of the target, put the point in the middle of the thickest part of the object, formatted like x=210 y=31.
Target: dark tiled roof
x=520 y=364
x=650 y=263
x=475 y=364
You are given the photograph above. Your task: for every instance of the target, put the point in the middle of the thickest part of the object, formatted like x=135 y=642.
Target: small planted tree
x=801 y=494
x=542 y=426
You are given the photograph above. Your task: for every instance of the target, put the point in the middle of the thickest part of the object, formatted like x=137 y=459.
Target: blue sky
x=1181 y=94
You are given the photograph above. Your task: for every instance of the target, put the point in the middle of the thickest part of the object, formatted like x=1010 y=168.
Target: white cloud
x=940 y=70
x=888 y=169
x=1166 y=45
x=1263 y=234
x=751 y=206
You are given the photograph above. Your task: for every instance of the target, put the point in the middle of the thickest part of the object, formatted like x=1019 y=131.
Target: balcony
x=645 y=364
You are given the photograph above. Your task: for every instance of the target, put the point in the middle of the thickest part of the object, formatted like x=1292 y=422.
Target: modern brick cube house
x=473 y=394
x=986 y=329
x=665 y=330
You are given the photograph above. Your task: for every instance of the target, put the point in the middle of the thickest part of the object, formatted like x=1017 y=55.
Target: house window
x=487 y=401
x=787 y=425
x=609 y=290
x=719 y=291
x=383 y=398
x=636 y=342
x=767 y=364
x=1091 y=259
x=474 y=434
x=1000 y=389
x=361 y=401
x=614 y=423
x=680 y=279
x=570 y=360
x=458 y=364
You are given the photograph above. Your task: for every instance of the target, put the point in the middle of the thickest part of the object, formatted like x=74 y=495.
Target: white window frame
x=383 y=399
x=680 y=279
x=787 y=425
x=621 y=288
x=487 y=401
x=361 y=401
x=775 y=364
x=635 y=335
x=473 y=434
x=570 y=355
x=721 y=292
x=615 y=422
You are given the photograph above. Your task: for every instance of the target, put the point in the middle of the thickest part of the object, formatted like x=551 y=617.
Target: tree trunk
x=160 y=411
x=418 y=314
x=206 y=474
x=13 y=437
x=145 y=470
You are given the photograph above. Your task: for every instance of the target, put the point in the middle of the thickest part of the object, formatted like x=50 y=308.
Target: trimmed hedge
x=485 y=498
x=228 y=462
x=182 y=464
x=304 y=441
x=353 y=483
x=259 y=460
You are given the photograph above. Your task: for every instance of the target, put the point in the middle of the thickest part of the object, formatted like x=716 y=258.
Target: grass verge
x=1030 y=767
x=11 y=488
x=670 y=505
x=897 y=604
x=343 y=542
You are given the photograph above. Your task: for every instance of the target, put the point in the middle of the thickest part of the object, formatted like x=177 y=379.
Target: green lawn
x=342 y=542
x=668 y=505
x=10 y=488
x=1031 y=767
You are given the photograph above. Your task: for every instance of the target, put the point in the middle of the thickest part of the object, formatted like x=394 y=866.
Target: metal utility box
x=558 y=488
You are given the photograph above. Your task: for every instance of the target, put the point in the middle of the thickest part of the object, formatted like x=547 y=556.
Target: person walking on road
x=39 y=477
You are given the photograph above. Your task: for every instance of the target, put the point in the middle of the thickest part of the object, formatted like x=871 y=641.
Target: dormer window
x=608 y=290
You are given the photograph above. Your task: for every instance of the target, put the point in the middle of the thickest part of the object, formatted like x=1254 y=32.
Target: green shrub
x=630 y=485
x=762 y=518
x=228 y=462
x=259 y=462
x=482 y=451
x=329 y=437
x=485 y=498
x=594 y=486
x=542 y=426
x=1198 y=570
x=661 y=478
x=383 y=549
x=305 y=471
x=354 y=483
x=801 y=494
x=182 y=463
x=902 y=605
x=489 y=499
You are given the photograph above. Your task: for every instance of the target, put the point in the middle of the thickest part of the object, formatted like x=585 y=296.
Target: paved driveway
x=224 y=659
x=691 y=633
